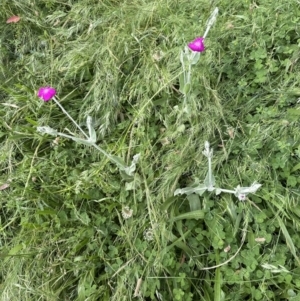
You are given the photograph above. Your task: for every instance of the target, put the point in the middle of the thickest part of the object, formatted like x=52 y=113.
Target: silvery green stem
x=189 y=73
x=211 y=21
x=92 y=143
x=188 y=81
x=111 y=158
x=210 y=180
x=57 y=102
x=226 y=190
x=182 y=56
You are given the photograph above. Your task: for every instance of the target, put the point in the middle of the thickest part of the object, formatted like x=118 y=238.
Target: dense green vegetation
x=67 y=230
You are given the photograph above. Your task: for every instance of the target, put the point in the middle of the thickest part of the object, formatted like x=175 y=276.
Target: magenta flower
x=46 y=93
x=197 y=45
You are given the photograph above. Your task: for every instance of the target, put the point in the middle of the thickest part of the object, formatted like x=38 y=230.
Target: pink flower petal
x=13 y=19
x=4 y=186
x=197 y=45
x=46 y=93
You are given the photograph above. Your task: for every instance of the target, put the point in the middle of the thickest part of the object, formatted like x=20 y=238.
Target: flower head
x=197 y=45
x=46 y=93
x=126 y=212
x=148 y=234
x=242 y=196
x=227 y=249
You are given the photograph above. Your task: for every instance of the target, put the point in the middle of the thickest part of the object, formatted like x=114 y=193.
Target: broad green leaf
x=119 y=160
x=133 y=184
x=194 y=201
x=199 y=189
x=195 y=58
x=186 y=88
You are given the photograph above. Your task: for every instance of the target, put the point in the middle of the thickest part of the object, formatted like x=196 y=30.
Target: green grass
x=63 y=236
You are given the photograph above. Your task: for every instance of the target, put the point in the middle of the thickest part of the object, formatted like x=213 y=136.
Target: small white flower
x=55 y=142
x=148 y=234
x=227 y=249
x=158 y=55
x=127 y=212
x=46 y=130
x=260 y=239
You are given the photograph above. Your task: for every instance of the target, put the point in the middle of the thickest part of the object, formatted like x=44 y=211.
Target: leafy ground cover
x=73 y=227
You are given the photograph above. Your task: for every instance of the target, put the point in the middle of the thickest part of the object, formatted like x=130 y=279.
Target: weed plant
x=72 y=228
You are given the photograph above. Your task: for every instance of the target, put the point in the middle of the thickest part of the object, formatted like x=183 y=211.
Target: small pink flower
x=242 y=196
x=46 y=93
x=197 y=45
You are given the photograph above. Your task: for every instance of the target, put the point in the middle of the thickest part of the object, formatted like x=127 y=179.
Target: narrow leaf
x=198 y=214
x=218 y=280
x=288 y=239
x=178 y=242
x=199 y=189
x=92 y=132
x=186 y=88
x=181 y=82
x=167 y=203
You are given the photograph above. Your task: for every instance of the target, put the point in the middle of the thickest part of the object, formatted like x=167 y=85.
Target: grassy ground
x=63 y=231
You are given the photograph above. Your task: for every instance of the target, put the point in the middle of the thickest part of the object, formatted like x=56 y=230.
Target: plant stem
x=111 y=158
x=226 y=190
x=211 y=21
x=209 y=172
x=57 y=102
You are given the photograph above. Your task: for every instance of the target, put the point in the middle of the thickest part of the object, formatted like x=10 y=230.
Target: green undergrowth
x=63 y=231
